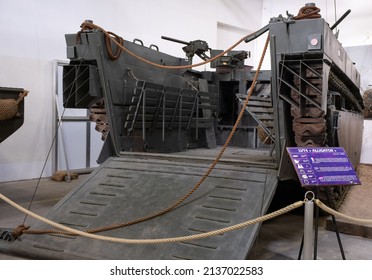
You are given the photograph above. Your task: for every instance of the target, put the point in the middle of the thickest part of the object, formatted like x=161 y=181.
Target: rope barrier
x=340 y=215
x=179 y=238
x=159 y=240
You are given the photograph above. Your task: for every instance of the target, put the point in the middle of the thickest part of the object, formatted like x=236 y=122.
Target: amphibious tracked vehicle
x=164 y=124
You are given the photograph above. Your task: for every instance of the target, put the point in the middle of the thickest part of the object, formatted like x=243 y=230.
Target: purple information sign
x=320 y=166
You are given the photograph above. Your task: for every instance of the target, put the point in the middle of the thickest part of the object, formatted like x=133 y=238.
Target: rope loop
x=119 y=40
x=308 y=12
x=312 y=196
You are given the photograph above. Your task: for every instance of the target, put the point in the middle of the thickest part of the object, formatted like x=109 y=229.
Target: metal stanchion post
x=308 y=226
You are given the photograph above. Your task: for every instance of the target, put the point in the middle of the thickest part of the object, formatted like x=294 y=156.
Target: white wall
x=22 y=155
x=32 y=37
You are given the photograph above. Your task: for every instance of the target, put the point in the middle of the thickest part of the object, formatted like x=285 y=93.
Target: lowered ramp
x=128 y=187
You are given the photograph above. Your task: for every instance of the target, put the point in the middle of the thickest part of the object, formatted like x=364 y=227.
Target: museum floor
x=279 y=239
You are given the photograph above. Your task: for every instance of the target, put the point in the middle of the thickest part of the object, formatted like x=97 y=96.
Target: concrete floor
x=279 y=239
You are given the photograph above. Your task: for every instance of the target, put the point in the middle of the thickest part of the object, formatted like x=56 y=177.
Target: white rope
x=340 y=215
x=154 y=241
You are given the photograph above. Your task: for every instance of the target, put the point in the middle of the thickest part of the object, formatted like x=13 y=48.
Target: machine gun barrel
x=340 y=19
x=256 y=34
x=175 y=40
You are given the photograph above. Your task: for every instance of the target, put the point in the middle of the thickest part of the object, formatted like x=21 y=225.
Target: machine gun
x=196 y=47
x=232 y=59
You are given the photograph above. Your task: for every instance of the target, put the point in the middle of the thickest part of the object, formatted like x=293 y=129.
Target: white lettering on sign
x=323 y=150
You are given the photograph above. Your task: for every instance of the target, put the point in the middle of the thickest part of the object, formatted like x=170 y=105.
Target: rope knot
x=307 y=12
x=17 y=232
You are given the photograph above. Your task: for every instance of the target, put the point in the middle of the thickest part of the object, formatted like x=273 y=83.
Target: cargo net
x=9 y=107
